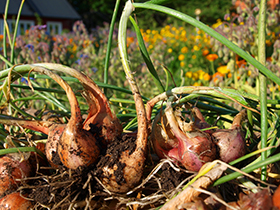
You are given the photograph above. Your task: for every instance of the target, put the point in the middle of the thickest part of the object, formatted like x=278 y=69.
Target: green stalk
x=109 y=46
x=263 y=83
x=146 y=56
x=4 y=31
x=248 y=169
x=246 y=56
x=15 y=32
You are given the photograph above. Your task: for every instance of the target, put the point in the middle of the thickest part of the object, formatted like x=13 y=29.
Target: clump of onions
x=74 y=145
x=195 y=147
x=15 y=201
x=12 y=169
x=181 y=141
x=231 y=142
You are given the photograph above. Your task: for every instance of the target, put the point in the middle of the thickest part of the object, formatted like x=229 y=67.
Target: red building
x=57 y=15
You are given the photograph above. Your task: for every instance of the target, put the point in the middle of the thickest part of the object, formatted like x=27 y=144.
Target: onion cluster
x=188 y=145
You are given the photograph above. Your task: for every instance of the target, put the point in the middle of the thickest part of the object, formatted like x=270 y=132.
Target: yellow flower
x=223 y=70
x=200 y=74
x=193 y=57
x=249 y=73
x=184 y=50
x=151 y=46
x=169 y=50
x=182 y=63
x=241 y=23
x=189 y=74
x=195 y=76
x=181 y=57
x=195 y=47
x=197 y=84
x=148 y=31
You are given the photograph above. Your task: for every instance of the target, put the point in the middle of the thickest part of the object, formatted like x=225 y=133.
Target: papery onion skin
x=15 y=201
x=10 y=170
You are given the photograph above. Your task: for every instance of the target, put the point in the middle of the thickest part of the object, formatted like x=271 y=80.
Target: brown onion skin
x=15 y=201
x=10 y=170
x=77 y=147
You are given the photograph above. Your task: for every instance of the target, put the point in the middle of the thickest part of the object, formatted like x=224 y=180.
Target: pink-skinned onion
x=15 y=201
x=11 y=171
x=231 y=142
x=195 y=147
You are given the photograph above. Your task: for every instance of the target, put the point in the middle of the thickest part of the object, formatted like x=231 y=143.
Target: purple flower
x=30 y=47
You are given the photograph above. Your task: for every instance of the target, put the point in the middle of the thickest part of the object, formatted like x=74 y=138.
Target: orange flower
x=205 y=52
x=206 y=77
x=212 y=57
x=217 y=77
x=241 y=63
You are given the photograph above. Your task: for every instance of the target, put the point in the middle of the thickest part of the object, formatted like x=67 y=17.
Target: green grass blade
x=146 y=56
x=4 y=31
x=214 y=34
x=249 y=169
x=109 y=46
x=263 y=83
x=15 y=32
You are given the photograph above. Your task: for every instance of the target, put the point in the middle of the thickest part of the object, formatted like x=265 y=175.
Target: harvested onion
x=231 y=142
x=195 y=147
x=11 y=171
x=181 y=141
x=15 y=201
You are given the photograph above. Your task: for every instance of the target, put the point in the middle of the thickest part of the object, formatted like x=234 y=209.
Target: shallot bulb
x=76 y=146
x=195 y=147
x=11 y=171
x=131 y=164
x=15 y=201
x=231 y=142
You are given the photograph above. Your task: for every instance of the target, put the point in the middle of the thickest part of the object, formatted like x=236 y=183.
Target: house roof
x=44 y=8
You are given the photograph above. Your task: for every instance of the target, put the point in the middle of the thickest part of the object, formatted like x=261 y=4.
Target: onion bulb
x=15 y=201
x=11 y=171
x=231 y=142
x=76 y=146
x=195 y=147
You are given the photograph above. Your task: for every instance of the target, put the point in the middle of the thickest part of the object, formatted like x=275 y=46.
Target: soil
x=58 y=188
